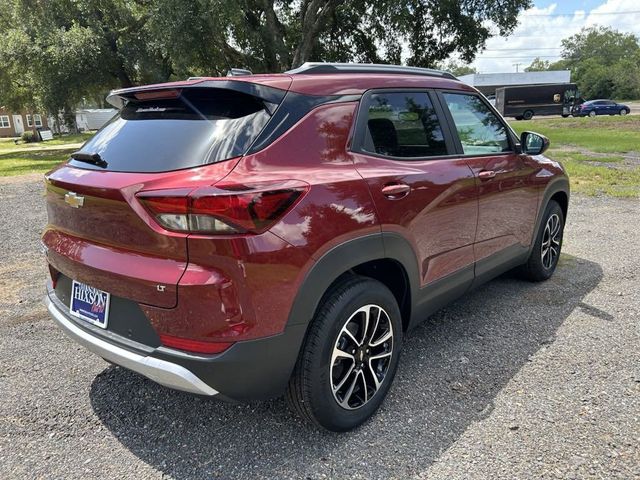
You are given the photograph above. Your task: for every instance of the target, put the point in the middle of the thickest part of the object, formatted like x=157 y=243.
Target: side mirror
x=533 y=143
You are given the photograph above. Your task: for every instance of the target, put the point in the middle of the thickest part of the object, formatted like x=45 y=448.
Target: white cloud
x=540 y=35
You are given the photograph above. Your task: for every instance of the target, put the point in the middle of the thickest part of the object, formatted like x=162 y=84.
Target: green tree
x=603 y=62
x=538 y=65
x=60 y=51
x=626 y=78
x=457 y=68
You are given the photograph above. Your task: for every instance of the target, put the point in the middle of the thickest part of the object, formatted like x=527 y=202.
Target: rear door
x=507 y=194
x=98 y=232
x=420 y=191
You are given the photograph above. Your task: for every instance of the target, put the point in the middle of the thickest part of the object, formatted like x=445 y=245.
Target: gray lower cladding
x=163 y=372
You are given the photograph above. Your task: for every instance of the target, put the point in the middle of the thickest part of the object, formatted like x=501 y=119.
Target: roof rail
x=322 y=67
x=238 y=72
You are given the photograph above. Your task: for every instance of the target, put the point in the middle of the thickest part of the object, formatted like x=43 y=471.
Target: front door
x=419 y=190
x=507 y=193
x=18 y=125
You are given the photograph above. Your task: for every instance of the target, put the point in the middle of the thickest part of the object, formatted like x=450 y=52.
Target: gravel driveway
x=514 y=381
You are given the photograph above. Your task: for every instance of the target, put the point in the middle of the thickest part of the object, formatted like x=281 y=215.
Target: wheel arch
x=557 y=190
x=387 y=258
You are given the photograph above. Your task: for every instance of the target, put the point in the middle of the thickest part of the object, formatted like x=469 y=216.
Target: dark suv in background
x=248 y=236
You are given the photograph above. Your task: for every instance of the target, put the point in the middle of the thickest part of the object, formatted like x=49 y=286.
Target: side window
x=479 y=129
x=403 y=125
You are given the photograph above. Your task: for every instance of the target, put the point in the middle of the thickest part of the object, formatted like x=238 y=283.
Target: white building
x=488 y=82
x=86 y=119
x=94 y=118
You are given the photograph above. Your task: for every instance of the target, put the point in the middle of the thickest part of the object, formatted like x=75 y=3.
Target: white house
x=94 y=118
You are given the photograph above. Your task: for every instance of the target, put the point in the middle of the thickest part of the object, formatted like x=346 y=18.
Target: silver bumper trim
x=165 y=373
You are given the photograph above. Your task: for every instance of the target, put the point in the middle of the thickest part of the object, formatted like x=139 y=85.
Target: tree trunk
x=313 y=15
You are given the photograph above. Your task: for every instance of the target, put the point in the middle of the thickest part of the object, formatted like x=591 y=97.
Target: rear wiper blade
x=93 y=158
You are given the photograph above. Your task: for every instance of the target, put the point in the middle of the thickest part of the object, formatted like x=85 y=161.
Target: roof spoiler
x=119 y=98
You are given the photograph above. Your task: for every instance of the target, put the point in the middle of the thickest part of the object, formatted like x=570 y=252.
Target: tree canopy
x=604 y=62
x=57 y=52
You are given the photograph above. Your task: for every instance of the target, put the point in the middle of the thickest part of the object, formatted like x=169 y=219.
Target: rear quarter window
x=199 y=127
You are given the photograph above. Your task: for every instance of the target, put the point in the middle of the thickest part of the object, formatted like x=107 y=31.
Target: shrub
x=29 y=137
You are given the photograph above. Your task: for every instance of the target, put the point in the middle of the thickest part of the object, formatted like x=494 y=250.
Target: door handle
x=486 y=174
x=396 y=190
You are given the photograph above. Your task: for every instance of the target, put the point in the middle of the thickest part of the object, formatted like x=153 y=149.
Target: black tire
x=518 y=117
x=593 y=113
x=527 y=115
x=311 y=389
x=565 y=115
x=538 y=267
x=624 y=111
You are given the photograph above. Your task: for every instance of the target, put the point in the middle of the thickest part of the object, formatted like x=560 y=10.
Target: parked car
x=246 y=237
x=600 y=107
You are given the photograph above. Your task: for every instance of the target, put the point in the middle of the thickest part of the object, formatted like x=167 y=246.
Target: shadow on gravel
x=452 y=368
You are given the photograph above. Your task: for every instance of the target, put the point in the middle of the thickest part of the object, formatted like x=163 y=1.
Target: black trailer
x=524 y=102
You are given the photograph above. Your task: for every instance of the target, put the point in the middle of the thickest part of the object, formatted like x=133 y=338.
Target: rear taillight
x=223 y=210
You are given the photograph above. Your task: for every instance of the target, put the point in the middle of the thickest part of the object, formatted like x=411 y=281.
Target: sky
x=541 y=29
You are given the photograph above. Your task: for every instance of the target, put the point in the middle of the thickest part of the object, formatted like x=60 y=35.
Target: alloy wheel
x=551 y=241
x=361 y=357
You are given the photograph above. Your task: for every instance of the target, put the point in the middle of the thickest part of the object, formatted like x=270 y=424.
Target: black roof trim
x=322 y=67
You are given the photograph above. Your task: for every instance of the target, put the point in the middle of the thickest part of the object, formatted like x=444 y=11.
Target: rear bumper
x=249 y=370
x=161 y=371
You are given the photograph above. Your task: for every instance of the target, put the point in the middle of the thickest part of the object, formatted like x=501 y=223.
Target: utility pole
x=517 y=65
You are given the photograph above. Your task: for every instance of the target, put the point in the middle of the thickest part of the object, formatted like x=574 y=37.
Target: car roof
x=326 y=82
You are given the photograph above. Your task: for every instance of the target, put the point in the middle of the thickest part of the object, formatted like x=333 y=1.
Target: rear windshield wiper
x=93 y=158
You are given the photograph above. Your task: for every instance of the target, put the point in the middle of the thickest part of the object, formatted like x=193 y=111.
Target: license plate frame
x=89 y=304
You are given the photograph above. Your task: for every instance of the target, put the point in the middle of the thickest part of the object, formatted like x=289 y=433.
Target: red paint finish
x=322 y=84
x=507 y=202
x=439 y=214
x=231 y=288
x=263 y=272
x=112 y=242
x=349 y=84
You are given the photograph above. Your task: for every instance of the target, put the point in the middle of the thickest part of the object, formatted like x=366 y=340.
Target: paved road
x=515 y=381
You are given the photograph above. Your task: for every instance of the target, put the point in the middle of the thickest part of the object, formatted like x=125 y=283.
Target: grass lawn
x=601 y=155
x=20 y=163
x=37 y=157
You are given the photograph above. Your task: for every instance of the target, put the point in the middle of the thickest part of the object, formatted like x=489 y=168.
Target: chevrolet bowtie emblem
x=73 y=199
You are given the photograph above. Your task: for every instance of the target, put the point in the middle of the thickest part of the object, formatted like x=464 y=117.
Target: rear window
x=199 y=127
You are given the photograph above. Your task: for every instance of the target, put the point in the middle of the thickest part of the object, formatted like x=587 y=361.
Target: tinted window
x=199 y=127
x=403 y=125
x=479 y=129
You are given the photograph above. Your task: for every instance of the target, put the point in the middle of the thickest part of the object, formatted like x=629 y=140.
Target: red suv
x=247 y=236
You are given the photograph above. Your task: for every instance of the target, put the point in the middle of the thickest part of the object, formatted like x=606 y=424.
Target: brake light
x=197 y=346
x=157 y=94
x=229 y=210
